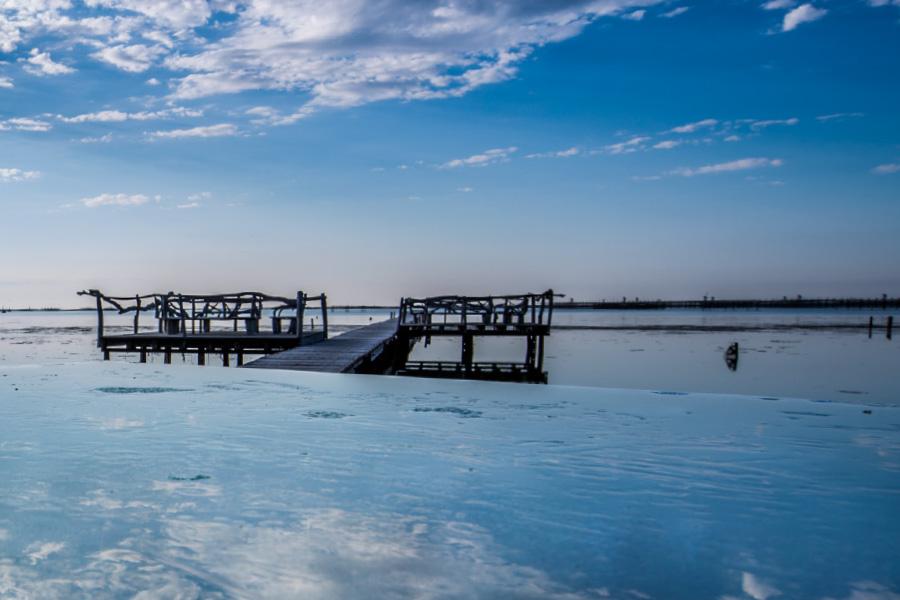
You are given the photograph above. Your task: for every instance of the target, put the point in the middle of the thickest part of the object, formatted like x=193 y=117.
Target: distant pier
x=884 y=302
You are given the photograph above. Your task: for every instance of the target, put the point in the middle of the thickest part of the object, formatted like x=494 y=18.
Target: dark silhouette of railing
x=185 y=322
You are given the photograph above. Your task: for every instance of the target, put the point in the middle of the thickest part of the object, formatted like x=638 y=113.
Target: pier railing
x=184 y=314
x=514 y=311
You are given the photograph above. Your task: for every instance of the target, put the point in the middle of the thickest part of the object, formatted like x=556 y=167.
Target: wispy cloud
x=805 y=13
x=778 y=4
x=762 y=124
x=116 y=200
x=840 y=116
x=207 y=131
x=743 y=164
x=103 y=139
x=887 y=169
x=26 y=124
x=675 y=12
x=567 y=153
x=667 y=144
x=116 y=116
x=635 y=15
x=6 y=83
x=628 y=146
x=8 y=175
x=693 y=127
x=488 y=157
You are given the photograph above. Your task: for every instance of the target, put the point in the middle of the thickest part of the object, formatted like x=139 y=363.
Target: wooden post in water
x=468 y=351
x=890 y=327
x=871 y=323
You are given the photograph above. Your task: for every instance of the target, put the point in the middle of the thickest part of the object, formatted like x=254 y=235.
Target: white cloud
x=115 y=116
x=756 y=589
x=39 y=63
x=115 y=200
x=200 y=196
x=6 y=82
x=38 y=551
x=567 y=153
x=805 y=13
x=778 y=4
x=636 y=15
x=762 y=124
x=675 y=12
x=733 y=138
x=103 y=139
x=336 y=54
x=667 y=144
x=135 y=58
x=206 y=131
x=840 y=116
x=743 y=164
x=465 y=190
x=488 y=157
x=11 y=175
x=188 y=205
x=26 y=124
x=631 y=145
x=887 y=169
x=692 y=127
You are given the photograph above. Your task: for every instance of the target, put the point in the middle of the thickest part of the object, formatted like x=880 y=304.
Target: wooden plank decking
x=341 y=354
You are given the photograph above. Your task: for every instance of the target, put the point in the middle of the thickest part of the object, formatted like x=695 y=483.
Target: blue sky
x=379 y=149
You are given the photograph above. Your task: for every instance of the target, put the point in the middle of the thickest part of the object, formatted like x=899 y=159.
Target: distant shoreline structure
x=707 y=302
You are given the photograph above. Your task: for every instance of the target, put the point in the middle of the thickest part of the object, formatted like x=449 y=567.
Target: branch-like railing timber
x=510 y=310
x=179 y=314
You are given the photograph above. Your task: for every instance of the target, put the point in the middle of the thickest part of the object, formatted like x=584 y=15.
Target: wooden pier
x=230 y=324
x=527 y=316
x=223 y=324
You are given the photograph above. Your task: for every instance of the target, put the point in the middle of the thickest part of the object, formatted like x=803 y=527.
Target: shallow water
x=822 y=364
x=218 y=483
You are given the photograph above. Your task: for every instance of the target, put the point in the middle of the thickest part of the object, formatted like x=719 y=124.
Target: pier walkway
x=357 y=351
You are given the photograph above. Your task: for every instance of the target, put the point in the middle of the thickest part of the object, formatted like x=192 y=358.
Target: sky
x=374 y=149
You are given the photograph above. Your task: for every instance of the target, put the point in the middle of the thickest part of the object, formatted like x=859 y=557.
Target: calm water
x=179 y=482
x=829 y=364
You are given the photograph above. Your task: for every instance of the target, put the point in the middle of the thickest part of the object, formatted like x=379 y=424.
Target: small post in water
x=890 y=327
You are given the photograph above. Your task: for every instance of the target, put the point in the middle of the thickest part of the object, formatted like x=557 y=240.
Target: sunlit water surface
x=182 y=482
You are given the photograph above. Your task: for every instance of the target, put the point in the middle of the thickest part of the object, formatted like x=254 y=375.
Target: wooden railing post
x=137 y=312
x=325 y=315
x=301 y=302
x=99 y=321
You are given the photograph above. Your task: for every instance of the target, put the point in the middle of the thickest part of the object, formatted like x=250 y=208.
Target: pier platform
x=364 y=350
